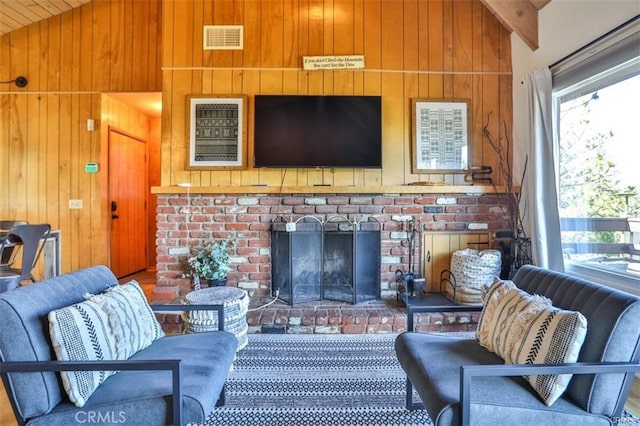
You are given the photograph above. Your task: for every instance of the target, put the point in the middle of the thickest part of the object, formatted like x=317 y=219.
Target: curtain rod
x=587 y=46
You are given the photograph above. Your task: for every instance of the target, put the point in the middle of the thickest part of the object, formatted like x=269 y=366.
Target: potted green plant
x=210 y=264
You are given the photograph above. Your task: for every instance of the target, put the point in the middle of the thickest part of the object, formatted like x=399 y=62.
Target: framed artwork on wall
x=440 y=136
x=217 y=132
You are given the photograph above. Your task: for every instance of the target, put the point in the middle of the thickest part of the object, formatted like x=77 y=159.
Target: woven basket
x=472 y=270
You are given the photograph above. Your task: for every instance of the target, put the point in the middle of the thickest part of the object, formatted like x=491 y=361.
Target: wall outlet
x=75 y=204
x=290 y=227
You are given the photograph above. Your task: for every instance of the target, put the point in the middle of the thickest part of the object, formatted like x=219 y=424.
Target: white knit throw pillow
x=526 y=329
x=131 y=318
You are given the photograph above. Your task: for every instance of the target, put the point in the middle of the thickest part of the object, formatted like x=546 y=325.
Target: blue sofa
x=461 y=382
x=177 y=380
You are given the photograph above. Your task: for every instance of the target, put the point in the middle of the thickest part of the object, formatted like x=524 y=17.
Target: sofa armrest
x=469 y=371
x=175 y=365
x=182 y=308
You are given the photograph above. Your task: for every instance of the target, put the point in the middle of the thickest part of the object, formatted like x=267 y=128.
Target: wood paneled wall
x=413 y=49
x=70 y=60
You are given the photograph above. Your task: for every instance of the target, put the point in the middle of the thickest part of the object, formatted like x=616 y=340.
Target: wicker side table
x=236 y=303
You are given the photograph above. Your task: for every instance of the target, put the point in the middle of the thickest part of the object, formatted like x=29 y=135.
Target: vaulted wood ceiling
x=15 y=14
x=520 y=16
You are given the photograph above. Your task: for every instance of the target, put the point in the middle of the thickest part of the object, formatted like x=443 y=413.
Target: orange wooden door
x=128 y=203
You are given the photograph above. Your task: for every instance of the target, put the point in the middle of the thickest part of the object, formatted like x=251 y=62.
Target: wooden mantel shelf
x=322 y=189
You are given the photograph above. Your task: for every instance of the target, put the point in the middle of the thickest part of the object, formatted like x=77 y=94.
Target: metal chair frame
x=9 y=254
x=31 y=239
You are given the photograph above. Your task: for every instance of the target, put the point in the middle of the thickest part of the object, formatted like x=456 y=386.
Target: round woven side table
x=236 y=303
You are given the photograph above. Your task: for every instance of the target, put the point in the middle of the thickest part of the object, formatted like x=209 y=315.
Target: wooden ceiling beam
x=539 y=4
x=520 y=16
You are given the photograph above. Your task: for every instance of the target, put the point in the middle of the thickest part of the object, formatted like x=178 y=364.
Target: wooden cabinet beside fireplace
x=437 y=248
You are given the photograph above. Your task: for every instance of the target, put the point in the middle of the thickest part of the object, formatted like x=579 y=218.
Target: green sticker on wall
x=91 y=167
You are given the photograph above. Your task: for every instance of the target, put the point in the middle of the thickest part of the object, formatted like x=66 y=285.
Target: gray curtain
x=539 y=189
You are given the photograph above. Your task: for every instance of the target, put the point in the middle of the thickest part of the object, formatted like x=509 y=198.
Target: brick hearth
x=327 y=317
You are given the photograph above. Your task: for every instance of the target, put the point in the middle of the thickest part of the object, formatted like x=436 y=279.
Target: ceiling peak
x=520 y=16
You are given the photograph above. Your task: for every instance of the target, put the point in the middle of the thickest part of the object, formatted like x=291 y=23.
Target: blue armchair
x=176 y=380
x=461 y=382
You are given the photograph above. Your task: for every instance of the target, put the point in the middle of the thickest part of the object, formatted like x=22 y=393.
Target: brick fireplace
x=186 y=221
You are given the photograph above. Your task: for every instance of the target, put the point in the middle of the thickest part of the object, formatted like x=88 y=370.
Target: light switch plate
x=75 y=204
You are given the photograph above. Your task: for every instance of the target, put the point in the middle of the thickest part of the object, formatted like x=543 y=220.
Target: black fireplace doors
x=334 y=259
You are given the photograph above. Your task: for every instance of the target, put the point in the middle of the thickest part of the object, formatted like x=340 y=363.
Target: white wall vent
x=223 y=37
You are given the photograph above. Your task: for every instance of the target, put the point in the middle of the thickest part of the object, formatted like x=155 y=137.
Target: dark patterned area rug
x=321 y=380
x=341 y=380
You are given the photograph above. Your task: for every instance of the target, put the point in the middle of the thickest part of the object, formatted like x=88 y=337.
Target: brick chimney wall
x=187 y=221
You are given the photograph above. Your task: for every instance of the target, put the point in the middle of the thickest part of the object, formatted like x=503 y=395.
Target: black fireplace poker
x=409 y=278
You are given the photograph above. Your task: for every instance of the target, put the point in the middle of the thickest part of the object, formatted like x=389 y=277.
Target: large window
x=598 y=138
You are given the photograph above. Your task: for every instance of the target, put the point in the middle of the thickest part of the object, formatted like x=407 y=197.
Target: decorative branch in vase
x=518 y=253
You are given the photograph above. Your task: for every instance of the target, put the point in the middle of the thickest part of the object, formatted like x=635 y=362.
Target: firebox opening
x=334 y=259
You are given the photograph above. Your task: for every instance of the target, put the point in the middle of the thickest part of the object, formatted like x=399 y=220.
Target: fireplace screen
x=336 y=259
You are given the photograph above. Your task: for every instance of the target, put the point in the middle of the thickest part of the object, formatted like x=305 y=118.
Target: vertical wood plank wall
x=70 y=60
x=413 y=49
x=155 y=140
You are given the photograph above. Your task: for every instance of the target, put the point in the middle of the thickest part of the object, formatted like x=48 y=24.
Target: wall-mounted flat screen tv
x=317 y=131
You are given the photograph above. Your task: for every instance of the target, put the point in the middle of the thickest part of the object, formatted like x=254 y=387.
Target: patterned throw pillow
x=81 y=332
x=526 y=329
x=552 y=336
x=131 y=318
x=109 y=326
x=504 y=304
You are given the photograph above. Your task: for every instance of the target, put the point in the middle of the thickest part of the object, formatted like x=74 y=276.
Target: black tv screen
x=317 y=131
